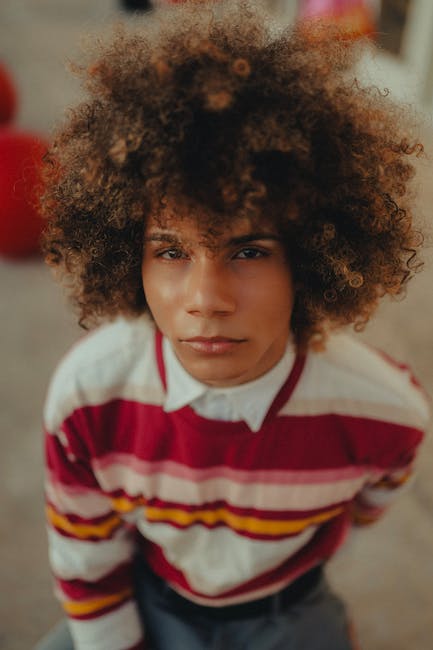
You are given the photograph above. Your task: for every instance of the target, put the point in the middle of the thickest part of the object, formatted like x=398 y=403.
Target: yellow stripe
x=102 y=530
x=239 y=522
x=75 y=608
x=389 y=483
x=121 y=504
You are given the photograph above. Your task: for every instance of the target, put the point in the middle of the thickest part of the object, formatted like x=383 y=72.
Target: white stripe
x=77 y=559
x=350 y=378
x=84 y=503
x=244 y=495
x=114 y=361
x=114 y=631
x=57 y=411
x=389 y=412
x=383 y=497
x=219 y=559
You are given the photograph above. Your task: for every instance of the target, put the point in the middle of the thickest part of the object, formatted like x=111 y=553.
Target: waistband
x=281 y=600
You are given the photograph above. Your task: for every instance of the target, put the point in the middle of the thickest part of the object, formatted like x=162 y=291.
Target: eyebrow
x=162 y=236
x=172 y=238
x=254 y=236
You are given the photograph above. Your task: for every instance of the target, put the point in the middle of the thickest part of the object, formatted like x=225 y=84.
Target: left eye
x=171 y=254
x=250 y=253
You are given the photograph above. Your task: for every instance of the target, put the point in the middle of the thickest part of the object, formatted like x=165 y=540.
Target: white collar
x=249 y=402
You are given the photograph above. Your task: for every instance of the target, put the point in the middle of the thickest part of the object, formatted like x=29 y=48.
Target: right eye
x=171 y=254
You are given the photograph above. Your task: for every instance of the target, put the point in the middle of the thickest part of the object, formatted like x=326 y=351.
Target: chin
x=219 y=380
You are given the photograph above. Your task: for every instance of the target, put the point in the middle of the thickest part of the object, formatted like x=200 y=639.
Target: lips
x=212 y=345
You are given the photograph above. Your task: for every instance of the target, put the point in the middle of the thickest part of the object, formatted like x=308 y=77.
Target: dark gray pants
x=317 y=622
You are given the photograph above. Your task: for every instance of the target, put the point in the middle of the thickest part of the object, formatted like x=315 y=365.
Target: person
x=223 y=205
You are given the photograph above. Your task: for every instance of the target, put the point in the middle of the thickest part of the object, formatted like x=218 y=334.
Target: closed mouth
x=212 y=339
x=213 y=344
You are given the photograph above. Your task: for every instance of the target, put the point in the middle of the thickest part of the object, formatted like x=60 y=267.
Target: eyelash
x=171 y=254
x=258 y=253
x=178 y=254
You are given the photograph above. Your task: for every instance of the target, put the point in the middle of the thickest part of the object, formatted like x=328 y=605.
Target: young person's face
x=224 y=305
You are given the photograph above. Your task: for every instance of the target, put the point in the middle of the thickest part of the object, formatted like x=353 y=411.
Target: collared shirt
x=249 y=402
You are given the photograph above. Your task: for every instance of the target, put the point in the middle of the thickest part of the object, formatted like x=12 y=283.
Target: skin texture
x=224 y=303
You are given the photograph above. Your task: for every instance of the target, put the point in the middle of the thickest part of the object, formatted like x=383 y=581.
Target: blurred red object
x=8 y=96
x=355 y=17
x=21 y=156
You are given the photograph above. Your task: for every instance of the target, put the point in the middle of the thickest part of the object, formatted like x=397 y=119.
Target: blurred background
x=385 y=573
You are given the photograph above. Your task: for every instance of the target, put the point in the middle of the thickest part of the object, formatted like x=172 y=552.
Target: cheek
x=273 y=300
x=153 y=296
x=161 y=294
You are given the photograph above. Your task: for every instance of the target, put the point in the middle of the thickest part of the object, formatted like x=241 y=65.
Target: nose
x=209 y=289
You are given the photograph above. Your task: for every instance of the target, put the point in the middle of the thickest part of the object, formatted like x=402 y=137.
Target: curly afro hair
x=220 y=112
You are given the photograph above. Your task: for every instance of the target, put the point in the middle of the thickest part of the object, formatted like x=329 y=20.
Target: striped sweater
x=223 y=514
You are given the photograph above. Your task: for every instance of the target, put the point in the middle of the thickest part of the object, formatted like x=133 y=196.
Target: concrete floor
x=385 y=573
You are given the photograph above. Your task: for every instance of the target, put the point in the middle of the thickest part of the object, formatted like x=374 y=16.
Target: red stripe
x=333 y=441
x=88 y=539
x=287 y=389
x=67 y=470
x=116 y=581
x=264 y=537
x=265 y=515
x=77 y=519
x=160 y=358
x=268 y=514
x=402 y=367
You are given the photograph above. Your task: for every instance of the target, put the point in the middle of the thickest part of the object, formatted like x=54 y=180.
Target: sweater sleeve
x=90 y=550
x=394 y=443
x=393 y=478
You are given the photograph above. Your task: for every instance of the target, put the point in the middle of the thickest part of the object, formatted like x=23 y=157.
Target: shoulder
x=117 y=340
x=116 y=360
x=353 y=378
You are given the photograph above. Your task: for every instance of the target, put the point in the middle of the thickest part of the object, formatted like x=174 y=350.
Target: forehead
x=205 y=232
